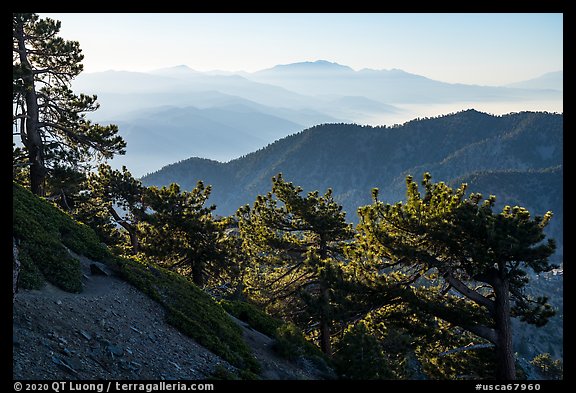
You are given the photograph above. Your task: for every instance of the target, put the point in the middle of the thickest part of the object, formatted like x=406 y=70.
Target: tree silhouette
x=48 y=116
x=479 y=255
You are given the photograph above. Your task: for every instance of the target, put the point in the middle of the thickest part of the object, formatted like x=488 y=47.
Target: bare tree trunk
x=33 y=138
x=325 y=320
x=198 y=273
x=325 y=344
x=15 y=268
x=134 y=241
x=504 y=350
x=130 y=228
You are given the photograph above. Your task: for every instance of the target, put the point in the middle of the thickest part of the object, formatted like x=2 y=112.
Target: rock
x=174 y=364
x=86 y=335
x=98 y=270
x=63 y=365
x=45 y=342
x=115 y=350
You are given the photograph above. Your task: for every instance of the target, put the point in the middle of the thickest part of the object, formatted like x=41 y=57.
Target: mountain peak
x=309 y=66
x=181 y=69
x=550 y=80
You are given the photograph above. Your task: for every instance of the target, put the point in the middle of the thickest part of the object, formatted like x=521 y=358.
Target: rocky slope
x=111 y=330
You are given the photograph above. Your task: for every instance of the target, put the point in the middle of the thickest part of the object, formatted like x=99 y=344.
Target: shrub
x=253 y=316
x=43 y=231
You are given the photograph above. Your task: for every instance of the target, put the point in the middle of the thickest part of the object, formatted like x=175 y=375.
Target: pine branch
x=470 y=293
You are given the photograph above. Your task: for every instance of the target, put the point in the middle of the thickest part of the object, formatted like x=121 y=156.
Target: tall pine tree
x=113 y=199
x=296 y=244
x=480 y=255
x=49 y=118
x=180 y=232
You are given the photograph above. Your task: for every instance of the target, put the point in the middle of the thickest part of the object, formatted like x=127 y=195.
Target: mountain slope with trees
x=516 y=157
x=99 y=316
x=352 y=159
x=249 y=108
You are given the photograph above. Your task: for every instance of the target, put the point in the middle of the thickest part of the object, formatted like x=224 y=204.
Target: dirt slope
x=110 y=330
x=113 y=331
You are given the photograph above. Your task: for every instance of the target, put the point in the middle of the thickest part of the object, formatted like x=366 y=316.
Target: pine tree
x=48 y=116
x=111 y=199
x=296 y=244
x=548 y=368
x=181 y=232
x=479 y=255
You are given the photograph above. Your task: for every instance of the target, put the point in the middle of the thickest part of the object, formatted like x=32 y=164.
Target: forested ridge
x=517 y=157
x=401 y=252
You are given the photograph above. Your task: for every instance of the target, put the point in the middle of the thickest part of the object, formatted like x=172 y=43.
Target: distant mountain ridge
x=548 y=81
x=517 y=157
x=260 y=107
x=305 y=68
x=393 y=86
x=352 y=159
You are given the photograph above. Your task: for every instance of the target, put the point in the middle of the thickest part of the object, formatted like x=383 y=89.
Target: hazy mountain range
x=174 y=113
x=517 y=157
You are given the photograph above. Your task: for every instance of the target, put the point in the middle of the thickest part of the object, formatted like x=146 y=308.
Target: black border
x=555 y=6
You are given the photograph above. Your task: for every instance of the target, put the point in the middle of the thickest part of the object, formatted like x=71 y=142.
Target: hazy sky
x=486 y=49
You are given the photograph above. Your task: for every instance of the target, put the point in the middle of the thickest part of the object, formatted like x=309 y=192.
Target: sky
x=484 y=49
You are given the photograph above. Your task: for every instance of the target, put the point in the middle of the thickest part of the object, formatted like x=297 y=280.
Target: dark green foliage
x=464 y=243
x=48 y=116
x=42 y=231
x=291 y=344
x=30 y=275
x=360 y=355
x=294 y=243
x=548 y=368
x=289 y=341
x=112 y=205
x=469 y=365
x=253 y=316
x=64 y=185
x=180 y=233
x=536 y=190
x=192 y=311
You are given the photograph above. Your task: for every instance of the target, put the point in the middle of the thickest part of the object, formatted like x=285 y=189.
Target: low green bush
x=192 y=311
x=43 y=231
x=253 y=316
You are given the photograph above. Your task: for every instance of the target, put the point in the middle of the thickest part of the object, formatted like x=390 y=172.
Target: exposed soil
x=113 y=331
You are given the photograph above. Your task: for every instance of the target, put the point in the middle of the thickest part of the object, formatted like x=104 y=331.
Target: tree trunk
x=33 y=140
x=134 y=241
x=504 y=351
x=198 y=273
x=325 y=320
x=15 y=268
x=130 y=228
x=325 y=344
